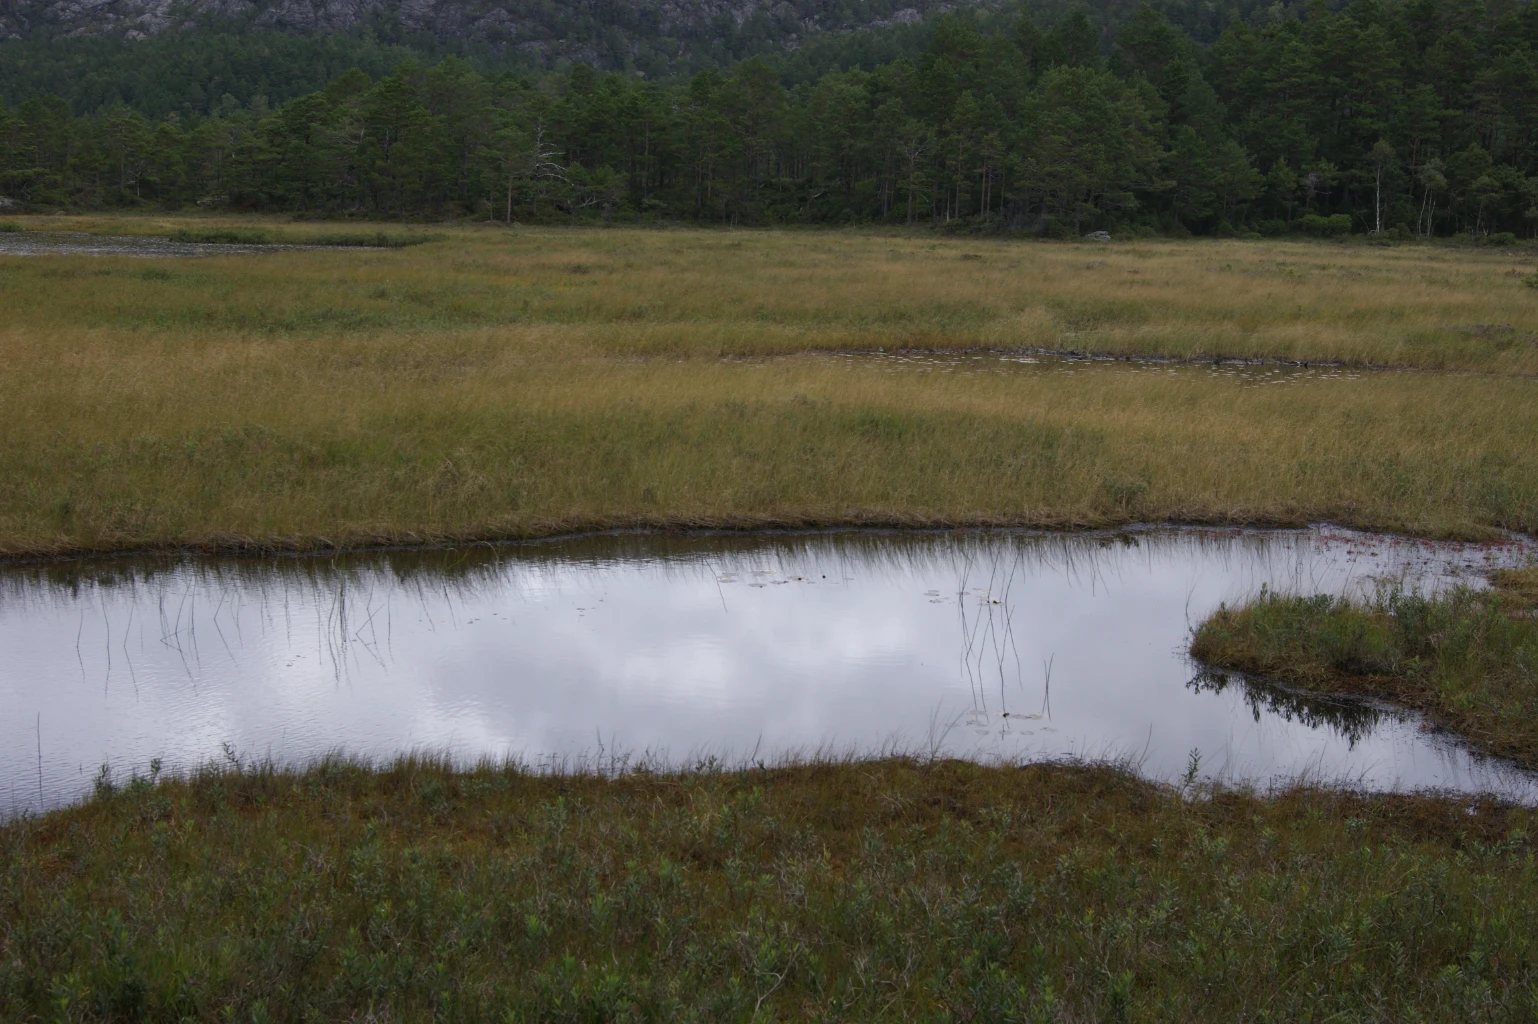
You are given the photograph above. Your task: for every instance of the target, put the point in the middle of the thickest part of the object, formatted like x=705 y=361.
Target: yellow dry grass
x=499 y=383
x=639 y=292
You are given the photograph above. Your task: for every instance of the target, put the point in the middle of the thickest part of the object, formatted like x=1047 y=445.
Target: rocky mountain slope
x=594 y=30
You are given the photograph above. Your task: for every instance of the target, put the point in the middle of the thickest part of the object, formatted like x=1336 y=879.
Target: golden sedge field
x=499 y=383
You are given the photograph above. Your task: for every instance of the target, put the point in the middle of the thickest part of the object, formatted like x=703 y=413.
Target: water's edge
x=992 y=645
x=411 y=542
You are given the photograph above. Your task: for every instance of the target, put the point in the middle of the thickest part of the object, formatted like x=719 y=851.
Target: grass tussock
x=497 y=384
x=1518 y=586
x=884 y=890
x=1468 y=658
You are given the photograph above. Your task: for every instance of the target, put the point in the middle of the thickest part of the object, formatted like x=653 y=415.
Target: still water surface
x=77 y=243
x=985 y=645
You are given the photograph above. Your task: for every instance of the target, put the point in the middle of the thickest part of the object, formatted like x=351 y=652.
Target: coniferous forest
x=1399 y=117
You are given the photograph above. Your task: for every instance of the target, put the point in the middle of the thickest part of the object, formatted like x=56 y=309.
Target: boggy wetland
x=867 y=683
x=493 y=384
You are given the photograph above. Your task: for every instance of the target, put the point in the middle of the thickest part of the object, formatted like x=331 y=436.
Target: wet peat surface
x=74 y=243
x=1245 y=373
x=988 y=645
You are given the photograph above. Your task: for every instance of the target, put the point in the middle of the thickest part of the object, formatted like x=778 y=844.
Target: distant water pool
x=986 y=645
x=78 y=243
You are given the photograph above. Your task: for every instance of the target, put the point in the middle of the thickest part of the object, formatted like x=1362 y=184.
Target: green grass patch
x=888 y=890
x=1468 y=659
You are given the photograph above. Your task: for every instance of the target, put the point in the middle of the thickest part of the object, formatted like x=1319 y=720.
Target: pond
x=989 y=645
x=78 y=243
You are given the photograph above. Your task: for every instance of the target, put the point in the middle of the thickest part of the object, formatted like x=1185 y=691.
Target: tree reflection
x=1352 y=720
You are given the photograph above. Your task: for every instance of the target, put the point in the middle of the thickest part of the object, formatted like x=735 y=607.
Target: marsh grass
x=1519 y=587
x=498 y=383
x=704 y=293
x=863 y=890
x=1467 y=658
x=309 y=445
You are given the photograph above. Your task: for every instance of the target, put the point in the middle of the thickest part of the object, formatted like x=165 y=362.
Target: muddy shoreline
x=407 y=542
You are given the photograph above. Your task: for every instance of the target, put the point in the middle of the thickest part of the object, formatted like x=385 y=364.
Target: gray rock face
x=569 y=28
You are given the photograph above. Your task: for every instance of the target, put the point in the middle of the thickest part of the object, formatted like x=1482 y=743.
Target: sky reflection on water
x=986 y=645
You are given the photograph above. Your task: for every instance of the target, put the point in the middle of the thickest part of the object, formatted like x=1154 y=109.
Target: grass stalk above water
x=1468 y=658
x=888 y=890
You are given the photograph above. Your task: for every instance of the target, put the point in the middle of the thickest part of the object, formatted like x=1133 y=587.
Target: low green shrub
x=1327 y=227
x=848 y=891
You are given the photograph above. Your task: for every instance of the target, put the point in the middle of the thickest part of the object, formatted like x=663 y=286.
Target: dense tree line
x=206 y=64
x=192 y=74
x=186 y=59
x=1408 y=116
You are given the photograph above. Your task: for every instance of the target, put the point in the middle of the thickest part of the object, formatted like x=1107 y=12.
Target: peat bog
x=880 y=774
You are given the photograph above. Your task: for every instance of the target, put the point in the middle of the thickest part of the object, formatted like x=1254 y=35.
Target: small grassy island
x=1467 y=659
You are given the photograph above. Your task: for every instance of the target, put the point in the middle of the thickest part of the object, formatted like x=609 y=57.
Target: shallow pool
x=977 y=644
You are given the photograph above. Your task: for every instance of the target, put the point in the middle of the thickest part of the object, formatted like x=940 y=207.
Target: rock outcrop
x=567 y=26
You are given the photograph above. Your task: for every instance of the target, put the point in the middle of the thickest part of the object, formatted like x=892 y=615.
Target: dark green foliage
x=845 y=891
x=1406 y=118
x=269 y=53
x=1329 y=227
x=220 y=70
